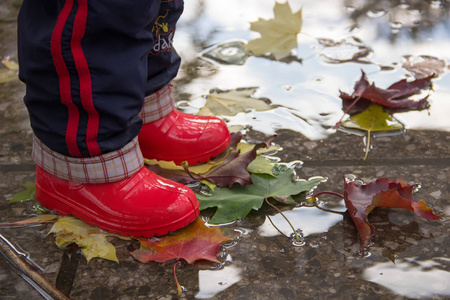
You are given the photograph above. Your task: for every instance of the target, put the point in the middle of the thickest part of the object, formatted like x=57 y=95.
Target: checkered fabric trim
x=158 y=105
x=109 y=167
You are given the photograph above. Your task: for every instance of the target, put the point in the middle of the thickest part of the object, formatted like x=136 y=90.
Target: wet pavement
x=262 y=263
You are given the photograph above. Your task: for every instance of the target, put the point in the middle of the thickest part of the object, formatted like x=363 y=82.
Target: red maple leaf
x=360 y=200
x=394 y=98
x=193 y=242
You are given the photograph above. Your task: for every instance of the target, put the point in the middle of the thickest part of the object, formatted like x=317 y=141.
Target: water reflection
x=305 y=95
x=213 y=282
x=309 y=220
x=412 y=278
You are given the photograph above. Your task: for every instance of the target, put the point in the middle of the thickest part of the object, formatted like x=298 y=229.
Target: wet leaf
x=237 y=202
x=278 y=35
x=362 y=199
x=343 y=51
x=423 y=66
x=395 y=97
x=92 y=241
x=193 y=242
x=373 y=119
x=28 y=194
x=234 y=168
x=231 y=102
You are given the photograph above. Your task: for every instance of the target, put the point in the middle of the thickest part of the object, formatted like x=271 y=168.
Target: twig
x=37 y=281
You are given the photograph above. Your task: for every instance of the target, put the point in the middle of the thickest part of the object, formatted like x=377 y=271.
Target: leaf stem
x=368 y=145
x=327 y=192
x=179 y=289
x=297 y=237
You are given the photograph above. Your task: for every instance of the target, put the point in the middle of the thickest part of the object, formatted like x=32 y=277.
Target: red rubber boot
x=143 y=205
x=182 y=137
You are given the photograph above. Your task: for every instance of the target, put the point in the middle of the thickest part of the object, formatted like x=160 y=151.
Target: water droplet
x=350 y=8
x=350 y=177
x=376 y=13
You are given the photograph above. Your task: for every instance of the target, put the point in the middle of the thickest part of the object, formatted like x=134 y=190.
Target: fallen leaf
x=92 y=241
x=231 y=102
x=423 y=65
x=343 y=51
x=278 y=35
x=237 y=202
x=395 y=97
x=360 y=200
x=28 y=194
x=234 y=168
x=7 y=75
x=373 y=119
x=193 y=242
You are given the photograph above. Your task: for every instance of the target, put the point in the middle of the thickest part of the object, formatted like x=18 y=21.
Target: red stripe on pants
x=64 y=81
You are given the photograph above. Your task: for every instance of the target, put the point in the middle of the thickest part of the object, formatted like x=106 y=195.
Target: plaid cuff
x=109 y=167
x=158 y=105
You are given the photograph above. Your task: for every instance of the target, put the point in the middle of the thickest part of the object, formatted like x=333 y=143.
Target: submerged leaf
x=278 y=35
x=193 y=242
x=92 y=241
x=237 y=202
x=360 y=200
x=231 y=102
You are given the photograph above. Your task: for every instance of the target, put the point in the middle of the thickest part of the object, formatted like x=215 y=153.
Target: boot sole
x=64 y=208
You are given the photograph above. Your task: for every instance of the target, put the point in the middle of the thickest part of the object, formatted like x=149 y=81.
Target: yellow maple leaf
x=278 y=35
x=90 y=239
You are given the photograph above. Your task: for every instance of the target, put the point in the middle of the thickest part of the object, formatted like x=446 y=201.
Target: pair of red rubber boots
x=144 y=204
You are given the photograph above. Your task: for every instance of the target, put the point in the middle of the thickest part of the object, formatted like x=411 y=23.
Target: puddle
x=212 y=282
x=309 y=220
x=412 y=278
x=333 y=46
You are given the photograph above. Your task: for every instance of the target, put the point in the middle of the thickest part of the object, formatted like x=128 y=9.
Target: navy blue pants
x=87 y=66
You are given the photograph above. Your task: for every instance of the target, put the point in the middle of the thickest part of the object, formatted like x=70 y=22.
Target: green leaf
x=260 y=165
x=28 y=194
x=374 y=118
x=237 y=202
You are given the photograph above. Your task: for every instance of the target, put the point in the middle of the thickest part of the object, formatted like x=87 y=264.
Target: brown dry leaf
x=423 y=65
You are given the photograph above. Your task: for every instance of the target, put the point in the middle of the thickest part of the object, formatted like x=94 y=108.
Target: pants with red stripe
x=88 y=65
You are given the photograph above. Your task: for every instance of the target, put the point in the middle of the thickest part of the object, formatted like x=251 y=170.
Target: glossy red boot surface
x=182 y=137
x=143 y=205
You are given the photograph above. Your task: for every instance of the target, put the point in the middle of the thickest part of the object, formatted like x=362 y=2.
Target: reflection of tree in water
x=412 y=18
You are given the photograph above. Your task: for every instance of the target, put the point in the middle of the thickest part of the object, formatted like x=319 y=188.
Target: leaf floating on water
x=231 y=102
x=194 y=242
x=237 y=202
x=423 y=66
x=360 y=200
x=278 y=35
x=394 y=97
x=343 y=51
x=92 y=241
x=34 y=220
x=373 y=119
